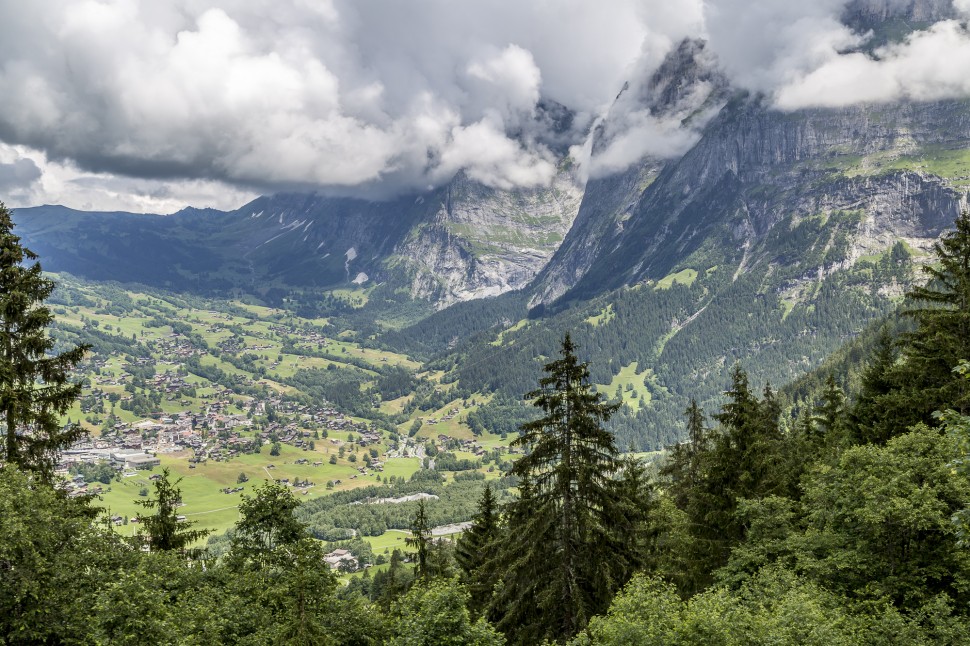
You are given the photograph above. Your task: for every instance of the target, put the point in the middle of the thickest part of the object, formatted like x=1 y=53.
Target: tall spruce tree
x=562 y=561
x=745 y=459
x=390 y=584
x=829 y=417
x=475 y=552
x=680 y=470
x=163 y=529
x=35 y=386
x=420 y=540
x=941 y=310
x=872 y=418
x=897 y=395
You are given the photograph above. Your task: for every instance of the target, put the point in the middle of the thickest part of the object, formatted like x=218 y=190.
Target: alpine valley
x=752 y=350
x=775 y=238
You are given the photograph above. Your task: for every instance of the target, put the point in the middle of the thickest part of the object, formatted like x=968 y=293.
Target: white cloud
x=801 y=55
x=659 y=115
x=929 y=65
x=372 y=97
x=508 y=83
x=763 y=44
x=367 y=95
x=493 y=159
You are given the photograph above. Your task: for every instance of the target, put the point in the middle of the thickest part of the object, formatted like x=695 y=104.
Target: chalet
x=340 y=557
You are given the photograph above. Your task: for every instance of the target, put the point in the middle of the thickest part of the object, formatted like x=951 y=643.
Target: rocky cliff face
x=484 y=242
x=862 y=15
x=684 y=92
x=904 y=166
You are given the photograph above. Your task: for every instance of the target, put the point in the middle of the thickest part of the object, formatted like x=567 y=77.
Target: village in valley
x=225 y=398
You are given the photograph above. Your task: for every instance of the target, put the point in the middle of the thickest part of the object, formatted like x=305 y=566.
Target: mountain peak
x=890 y=20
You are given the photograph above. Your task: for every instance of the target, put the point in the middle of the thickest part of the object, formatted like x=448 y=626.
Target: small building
x=340 y=557
x=142 y=461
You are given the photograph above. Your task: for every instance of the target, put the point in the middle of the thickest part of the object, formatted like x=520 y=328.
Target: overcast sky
x=151 y=106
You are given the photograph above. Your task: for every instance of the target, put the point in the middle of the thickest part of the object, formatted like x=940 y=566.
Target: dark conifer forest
x=833 y=510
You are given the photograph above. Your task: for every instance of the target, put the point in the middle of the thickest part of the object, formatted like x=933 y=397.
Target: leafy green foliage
x=52 y=559
x=773 y=607
x=434 y=613
x=878 y=522
x=266 y=522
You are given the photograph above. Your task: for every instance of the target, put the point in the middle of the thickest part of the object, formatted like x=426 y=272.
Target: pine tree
x=871 y=419
x=561 y=562
x=420 y=539
x=633 y=534
x=35 y=389
x=941 y=310
x=392 y=583
x=745 y=460
x=680 y=470
x=163 y=529
x=829 y=417
x=897 y=395
x=521 y=574
x=475 y=552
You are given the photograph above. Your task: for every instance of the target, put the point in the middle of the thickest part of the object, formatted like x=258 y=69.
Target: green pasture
x=683 y=277
x=606 y=315
x=631 y=384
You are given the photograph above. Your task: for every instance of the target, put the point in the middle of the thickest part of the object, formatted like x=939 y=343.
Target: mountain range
x=775 y=237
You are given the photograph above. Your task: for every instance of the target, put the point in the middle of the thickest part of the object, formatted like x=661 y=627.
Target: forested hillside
x=845 y=525
x=658 y=343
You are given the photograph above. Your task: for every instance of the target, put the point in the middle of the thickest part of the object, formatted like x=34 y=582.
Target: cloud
x=376 y=97
x=662 y=114
x=912 y=70
x=803 y=55
x=363 y=96
x=764 y=44
x=28 y=178
x=18 y=175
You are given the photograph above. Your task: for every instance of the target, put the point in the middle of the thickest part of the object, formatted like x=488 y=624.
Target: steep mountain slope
x=687 y=88
x=483 y=242
x=773 y=240
x=660 y=342
x=455 y=243
x=903 y=166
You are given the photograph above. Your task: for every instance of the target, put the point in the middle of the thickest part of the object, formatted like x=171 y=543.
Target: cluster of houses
x=452 y=413
x=311 y=337
x=175 y=346
x=471 y=446
x=214 y=434
x=127 y=461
